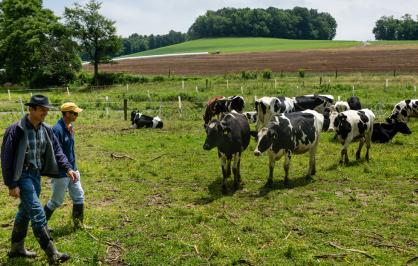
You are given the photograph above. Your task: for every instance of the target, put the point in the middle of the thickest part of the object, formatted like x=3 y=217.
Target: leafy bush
x=249 y=75
x=301 y=72
x=267 y=74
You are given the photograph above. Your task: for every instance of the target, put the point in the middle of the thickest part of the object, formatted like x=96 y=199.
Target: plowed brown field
x=356 y=59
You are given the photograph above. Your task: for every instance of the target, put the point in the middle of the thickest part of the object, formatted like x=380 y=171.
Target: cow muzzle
x=206 y=147
x=257 y=153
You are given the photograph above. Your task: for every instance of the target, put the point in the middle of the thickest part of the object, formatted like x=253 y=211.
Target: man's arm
x=60 y=157
x=8 y=150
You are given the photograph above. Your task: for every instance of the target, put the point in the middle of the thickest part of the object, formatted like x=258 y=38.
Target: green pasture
x=238 y=45
x=161 y=203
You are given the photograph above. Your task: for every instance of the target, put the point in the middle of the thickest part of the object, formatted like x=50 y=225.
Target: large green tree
x=95 y=34
x=34 y=46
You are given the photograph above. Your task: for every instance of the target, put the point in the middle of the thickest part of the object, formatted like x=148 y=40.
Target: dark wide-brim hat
x=39 y=100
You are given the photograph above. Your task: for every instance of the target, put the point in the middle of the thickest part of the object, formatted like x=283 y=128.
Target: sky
x=355 y=18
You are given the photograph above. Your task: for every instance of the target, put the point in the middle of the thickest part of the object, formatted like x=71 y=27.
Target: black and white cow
x=139 y=121
x=219 y=104
x=384 y=132
x=251 y=116
x=231 y=135
x=315 y=102
x=287 y=134
x=354 y=103
x=266 y=107
x=352 y=125
x=403 y=110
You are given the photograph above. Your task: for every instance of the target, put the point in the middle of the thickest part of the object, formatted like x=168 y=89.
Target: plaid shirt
x=36 y=146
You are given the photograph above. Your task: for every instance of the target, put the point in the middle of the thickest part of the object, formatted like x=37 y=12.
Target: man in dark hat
x=31 y=150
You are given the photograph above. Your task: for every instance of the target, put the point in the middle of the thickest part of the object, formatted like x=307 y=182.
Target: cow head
x=403 y=128
x=265 y=138
x=133 y=114
x=342 y=126
x=215 y=132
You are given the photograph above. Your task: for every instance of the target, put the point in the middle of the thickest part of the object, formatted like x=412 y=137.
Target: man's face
x=38 y=113
x=71 y=116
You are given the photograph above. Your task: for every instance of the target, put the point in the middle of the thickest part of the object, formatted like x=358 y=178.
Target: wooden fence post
x=125 y=109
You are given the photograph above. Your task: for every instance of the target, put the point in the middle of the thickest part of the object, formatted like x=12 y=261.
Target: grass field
x=236 y=45
x=165 y=206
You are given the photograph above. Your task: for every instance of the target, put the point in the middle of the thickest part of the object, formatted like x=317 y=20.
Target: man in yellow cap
x=64 y=131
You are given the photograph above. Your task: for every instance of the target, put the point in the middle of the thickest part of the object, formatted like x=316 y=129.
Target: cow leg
x=312 y=162
x=368 y=144
x=272 y=161
x=344 y=156
x=224 y=165
x=236 y=170
x=286 y=168
x=360 y=146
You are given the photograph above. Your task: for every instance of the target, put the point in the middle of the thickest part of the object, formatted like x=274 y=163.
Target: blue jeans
x=30 y=207
x=59 y=186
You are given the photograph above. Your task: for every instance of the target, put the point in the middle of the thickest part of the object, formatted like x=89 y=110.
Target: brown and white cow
x=218 y=105
x=287 y=134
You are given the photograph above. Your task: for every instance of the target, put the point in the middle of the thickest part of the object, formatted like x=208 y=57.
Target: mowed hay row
x=162 y=204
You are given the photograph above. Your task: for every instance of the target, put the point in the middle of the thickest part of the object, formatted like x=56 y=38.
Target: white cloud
x=355 y=18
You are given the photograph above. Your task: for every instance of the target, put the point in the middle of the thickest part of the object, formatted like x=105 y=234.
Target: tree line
x=390 y=28
x=296 y=23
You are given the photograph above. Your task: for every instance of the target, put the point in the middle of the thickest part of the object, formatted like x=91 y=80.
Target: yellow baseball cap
x=70 y=107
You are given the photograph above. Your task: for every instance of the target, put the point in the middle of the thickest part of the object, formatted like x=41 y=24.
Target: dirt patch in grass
x=358 y=59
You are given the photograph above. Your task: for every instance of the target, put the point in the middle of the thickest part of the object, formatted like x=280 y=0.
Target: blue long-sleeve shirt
x=13 y=150
x=66 y=141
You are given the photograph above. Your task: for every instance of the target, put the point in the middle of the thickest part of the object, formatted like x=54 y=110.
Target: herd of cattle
x=286 y=126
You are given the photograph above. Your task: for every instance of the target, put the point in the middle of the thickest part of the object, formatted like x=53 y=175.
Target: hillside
x=239 y=45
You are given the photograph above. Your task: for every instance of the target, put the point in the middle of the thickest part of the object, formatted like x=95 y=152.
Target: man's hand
x=73 y=176
x=14 y=192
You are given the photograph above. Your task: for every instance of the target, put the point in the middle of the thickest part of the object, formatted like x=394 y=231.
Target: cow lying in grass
x=352 y=125
x=139 y=121
x=287 y=134
x=384 y=132
x=231 y=135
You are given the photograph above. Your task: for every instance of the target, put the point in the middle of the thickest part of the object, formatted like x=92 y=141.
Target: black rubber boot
x=78 y=215
x=45 y=241
x=48 y=214
x=18 y=242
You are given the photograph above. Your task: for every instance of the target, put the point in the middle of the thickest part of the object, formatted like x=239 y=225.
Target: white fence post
x=31 y=94
x=107 y=105
x=415 y=90
x=196 y=89
x=149 y=96
x=182 y=84
x=353 y=90
x=180 y=105
x=275 y=83
x=242 y=91
x=387 y=83
x=127 y=87
x=10 y=97
x=68 y=91
x=21 y=106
